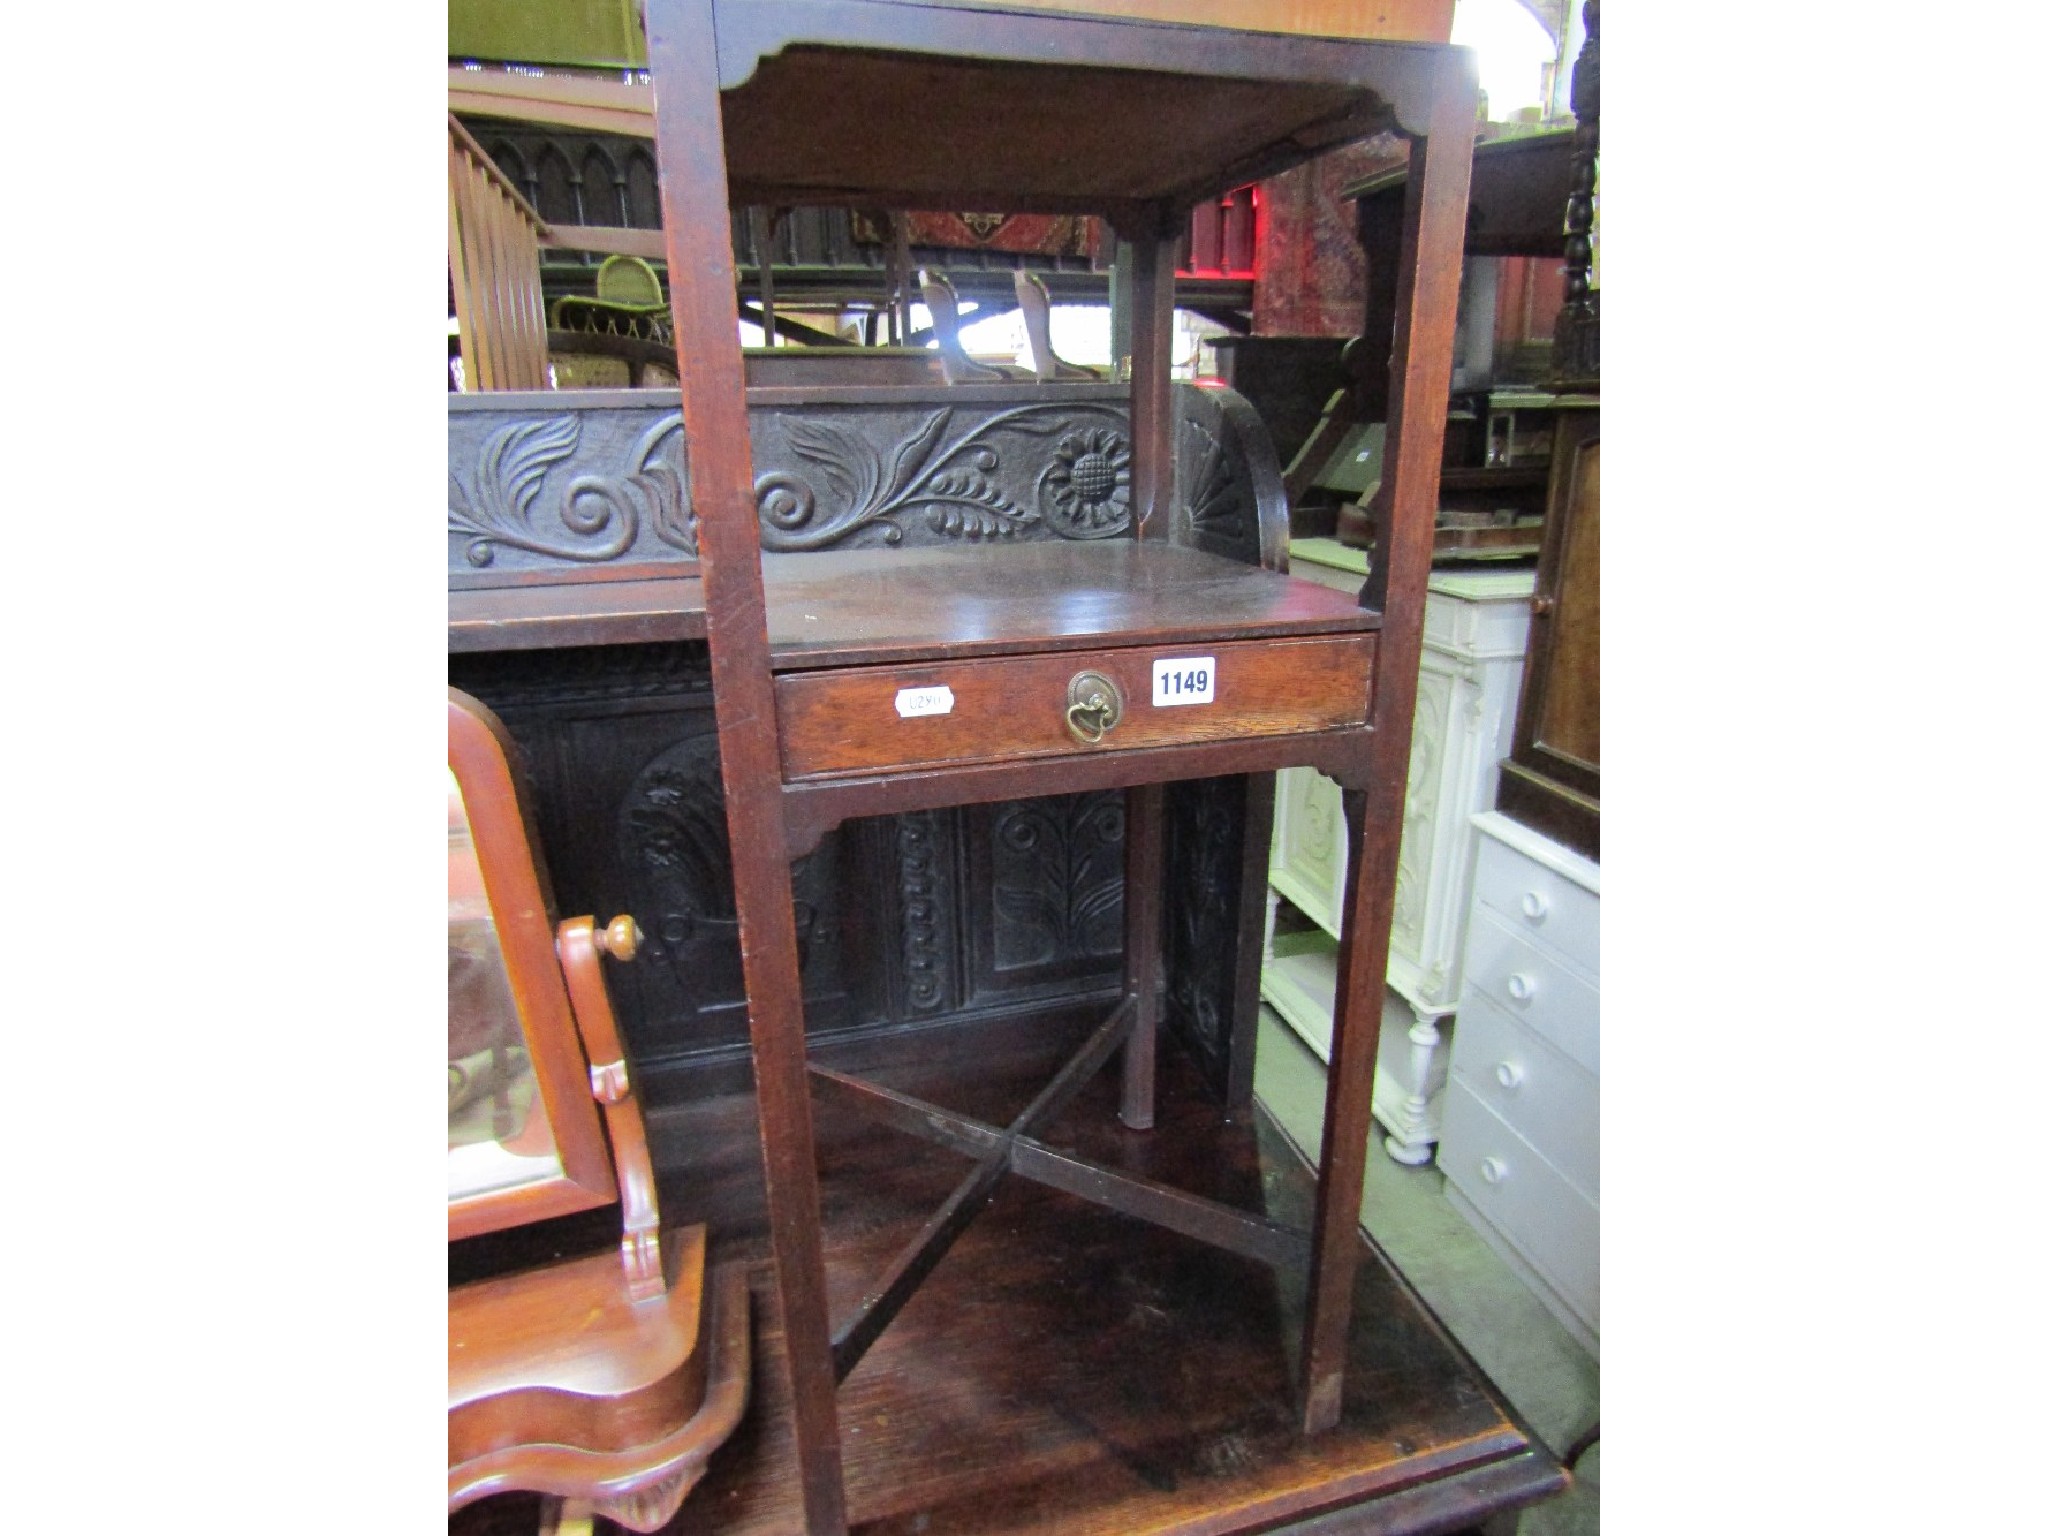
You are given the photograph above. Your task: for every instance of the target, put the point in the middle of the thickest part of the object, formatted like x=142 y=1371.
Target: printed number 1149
x=1184 y=680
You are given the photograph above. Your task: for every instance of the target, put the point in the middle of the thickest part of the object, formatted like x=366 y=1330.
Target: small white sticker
x=912 y=702
x=1184 y=680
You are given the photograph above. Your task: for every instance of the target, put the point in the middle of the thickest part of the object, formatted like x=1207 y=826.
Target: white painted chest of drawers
x=1521 y=1139
x=1475 y=627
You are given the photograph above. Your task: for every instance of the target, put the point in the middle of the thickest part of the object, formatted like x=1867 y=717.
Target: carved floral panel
x=1057 y=879
x=580 y=480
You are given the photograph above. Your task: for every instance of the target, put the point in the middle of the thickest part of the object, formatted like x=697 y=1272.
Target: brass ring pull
x=1094 y=705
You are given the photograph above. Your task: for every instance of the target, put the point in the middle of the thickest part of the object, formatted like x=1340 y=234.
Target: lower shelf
x=1068 y=1370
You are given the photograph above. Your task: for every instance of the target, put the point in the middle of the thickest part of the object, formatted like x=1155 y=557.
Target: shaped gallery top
x=913 y=104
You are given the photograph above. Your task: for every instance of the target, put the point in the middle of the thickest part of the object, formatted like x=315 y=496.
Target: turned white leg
x=1420 y=1120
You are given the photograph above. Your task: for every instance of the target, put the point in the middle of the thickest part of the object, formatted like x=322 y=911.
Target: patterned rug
x=1037 y=234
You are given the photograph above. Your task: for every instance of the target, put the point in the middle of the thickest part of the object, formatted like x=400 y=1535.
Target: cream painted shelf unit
x=1475 y=625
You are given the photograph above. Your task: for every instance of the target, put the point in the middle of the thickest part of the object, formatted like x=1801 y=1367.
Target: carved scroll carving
x=1063 y=469
x=585 y=478
x=595 y=517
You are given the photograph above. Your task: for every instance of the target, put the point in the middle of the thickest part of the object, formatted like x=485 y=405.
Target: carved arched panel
x=506 y=156
x=603 y=188
x=556 y=196
x=643 y=190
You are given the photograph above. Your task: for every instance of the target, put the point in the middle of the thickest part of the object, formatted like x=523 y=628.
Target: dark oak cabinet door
x=1551 y=779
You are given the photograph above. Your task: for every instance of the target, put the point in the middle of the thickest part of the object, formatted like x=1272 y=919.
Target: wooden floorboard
x=1066 y=1369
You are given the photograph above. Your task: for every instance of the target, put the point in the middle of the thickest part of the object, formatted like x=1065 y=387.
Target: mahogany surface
x=690 y=149
x=805 y=101
x=1109 y=113
x=570 y=1331
x=849 y=607
x=1010 y=708
x=620 y=1409
x=1067 y=1369
x=576 y=611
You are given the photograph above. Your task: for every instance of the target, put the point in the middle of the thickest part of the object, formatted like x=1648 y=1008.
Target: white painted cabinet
x=1521 y=1138
x=1474 y=630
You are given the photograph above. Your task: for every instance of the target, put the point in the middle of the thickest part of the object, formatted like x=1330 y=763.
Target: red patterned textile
x=1309 y=274
x=1037 y=234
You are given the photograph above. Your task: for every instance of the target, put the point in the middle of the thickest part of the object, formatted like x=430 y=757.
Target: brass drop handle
x=620 y=938
x=1094 y=704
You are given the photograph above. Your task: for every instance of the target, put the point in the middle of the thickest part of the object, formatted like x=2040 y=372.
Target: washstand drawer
x=1532 y=985
x=1556 y=1227
x=1538 y=902
x=1002 y=708
x=1531 y=1085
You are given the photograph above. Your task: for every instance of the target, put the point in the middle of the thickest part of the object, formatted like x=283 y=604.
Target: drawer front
x=1001 y=708
x=1549 y=1100
x=1539 y=902
x=1555 y=1226
x=1531 y=985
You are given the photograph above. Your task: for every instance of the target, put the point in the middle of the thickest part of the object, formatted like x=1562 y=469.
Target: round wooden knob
x=1535 y=905
x=1520 y=987
x=1508 y=1074
x=1492 y=1169
x=620 y=938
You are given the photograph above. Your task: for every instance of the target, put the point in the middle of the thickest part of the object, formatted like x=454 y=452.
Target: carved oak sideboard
x=572 y=566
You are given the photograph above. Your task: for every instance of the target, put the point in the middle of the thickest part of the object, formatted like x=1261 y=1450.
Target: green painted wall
x=600 y=33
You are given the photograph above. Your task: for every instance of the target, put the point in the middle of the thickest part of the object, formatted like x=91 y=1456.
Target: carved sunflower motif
x=1087 y=487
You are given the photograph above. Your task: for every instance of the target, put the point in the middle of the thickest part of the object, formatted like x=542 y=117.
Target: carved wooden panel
x=1433 y=691
x=536 y=483
x=1224 y=460
x=599 y=480
x=937 y=472
x=1045 y=896
x=1310 y=850
x=1204 y=870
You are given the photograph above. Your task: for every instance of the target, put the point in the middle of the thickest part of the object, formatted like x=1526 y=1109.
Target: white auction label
x=912 y=702
x=1184 y=680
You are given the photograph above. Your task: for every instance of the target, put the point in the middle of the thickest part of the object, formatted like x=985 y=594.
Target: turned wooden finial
x=620 y=938
x=1576 y=353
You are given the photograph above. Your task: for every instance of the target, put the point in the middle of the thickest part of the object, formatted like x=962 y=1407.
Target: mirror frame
x=481 y=754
